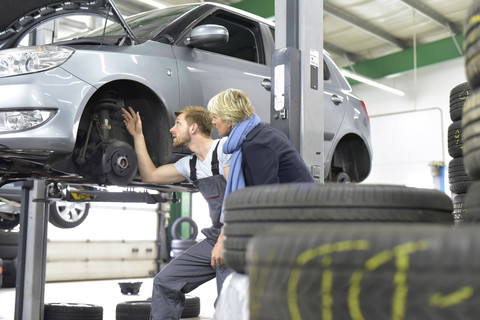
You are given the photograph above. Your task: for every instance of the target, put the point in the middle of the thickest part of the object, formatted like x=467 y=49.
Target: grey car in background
x=60 y=112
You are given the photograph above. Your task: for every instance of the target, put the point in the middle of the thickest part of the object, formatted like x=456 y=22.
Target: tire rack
x=32 y=245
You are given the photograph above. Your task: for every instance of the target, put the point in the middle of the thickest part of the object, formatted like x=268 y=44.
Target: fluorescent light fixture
x=371 y=82
x=154 y=3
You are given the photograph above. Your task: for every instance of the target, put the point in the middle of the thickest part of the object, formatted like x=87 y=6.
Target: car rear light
x=365 y=109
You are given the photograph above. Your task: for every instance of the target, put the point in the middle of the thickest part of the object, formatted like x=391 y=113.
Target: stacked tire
x=180 y=244
x=8 y=255
x=253 y=211
x=288 y=237
x=458 y=178
x=471 y=114
x=140 y=310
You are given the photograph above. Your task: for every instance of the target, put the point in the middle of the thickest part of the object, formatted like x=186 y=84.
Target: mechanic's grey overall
x=193 y=267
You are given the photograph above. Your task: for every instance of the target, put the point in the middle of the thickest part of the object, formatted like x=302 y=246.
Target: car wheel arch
x=124 y=93
x=350 y=156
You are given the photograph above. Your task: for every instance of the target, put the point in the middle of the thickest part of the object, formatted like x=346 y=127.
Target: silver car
x=60 y=112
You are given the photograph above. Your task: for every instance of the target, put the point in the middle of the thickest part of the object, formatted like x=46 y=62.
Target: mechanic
x=207 y=168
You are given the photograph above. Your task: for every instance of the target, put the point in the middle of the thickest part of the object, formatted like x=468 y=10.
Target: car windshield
x=145 y=25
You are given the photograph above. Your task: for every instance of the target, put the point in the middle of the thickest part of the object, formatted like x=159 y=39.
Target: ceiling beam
x=431 y=14
x=350 y=56
x=363 y=25
x=402 y=61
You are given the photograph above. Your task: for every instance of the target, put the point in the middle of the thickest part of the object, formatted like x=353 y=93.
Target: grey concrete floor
x=105 y=293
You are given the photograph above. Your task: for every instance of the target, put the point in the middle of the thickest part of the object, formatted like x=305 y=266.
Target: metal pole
x=299 y=28
x=32 y=249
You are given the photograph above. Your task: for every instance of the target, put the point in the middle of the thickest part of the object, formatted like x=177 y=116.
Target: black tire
x=471 y=135
x=372 y=271
x=176 y=228
x=9 y=223
x=455 y=144
x=180 y=245
x=458 y=178
x=9 y=273
x=8 y=245
x=459 y=207
x=254 y=210
x=458 y=96
x=140 y=310
x=72 y=311
x=471 y=213
x=472 y=45
x=67 y=215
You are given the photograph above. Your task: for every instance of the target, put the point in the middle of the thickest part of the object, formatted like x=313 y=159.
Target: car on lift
x=60 y=115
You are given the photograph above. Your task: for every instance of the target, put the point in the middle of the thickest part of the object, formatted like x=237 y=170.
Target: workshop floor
x=105 y=293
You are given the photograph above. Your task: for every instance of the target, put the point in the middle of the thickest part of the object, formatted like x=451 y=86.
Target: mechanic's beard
x=181 y=143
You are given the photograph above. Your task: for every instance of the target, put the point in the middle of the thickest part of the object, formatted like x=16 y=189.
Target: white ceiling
x=362 y=30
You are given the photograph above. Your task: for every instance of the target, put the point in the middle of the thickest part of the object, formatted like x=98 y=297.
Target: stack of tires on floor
x=459 y=180
x=471 y=115
x=351 y=251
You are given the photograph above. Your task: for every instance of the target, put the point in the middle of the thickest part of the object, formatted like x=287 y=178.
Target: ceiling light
x=371 y=82
x=154 y=3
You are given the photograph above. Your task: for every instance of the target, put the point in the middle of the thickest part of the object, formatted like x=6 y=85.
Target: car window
x=242 y=41
x=326 y=72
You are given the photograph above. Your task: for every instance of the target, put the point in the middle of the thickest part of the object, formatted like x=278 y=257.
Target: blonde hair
x=198 y=115
x=232 y=106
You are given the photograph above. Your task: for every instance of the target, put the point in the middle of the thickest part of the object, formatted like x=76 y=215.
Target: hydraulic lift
x=32 y=246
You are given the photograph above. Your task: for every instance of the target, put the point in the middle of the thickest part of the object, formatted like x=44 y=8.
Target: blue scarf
x=236 y=180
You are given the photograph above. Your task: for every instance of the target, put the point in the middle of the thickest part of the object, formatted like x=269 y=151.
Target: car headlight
x=32 y=59
x=11 y=121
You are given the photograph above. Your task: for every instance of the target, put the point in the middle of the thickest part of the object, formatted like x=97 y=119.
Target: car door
x=335 y=102
x=239 y=64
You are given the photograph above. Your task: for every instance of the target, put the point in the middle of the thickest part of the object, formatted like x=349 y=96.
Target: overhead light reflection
x=371 y=82
x=154 y=3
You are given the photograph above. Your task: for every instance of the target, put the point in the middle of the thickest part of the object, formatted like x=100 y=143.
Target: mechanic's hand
x=132 y=121
x=217 y=253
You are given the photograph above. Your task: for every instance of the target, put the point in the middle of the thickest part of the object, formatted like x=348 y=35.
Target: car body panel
x=157 y=77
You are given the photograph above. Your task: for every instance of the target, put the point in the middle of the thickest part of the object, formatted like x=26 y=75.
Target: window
x=242 y=42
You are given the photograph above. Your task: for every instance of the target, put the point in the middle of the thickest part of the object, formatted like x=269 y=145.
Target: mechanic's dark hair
x=198 y=115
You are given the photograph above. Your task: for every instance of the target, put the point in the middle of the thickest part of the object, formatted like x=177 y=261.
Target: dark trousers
x=182 y=275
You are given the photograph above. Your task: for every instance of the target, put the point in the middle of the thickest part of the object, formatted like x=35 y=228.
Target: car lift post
x=297 y=78
x=32 y=246
x=32 y=249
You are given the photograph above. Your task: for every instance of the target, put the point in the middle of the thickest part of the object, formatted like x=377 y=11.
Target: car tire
x=9 y=223
x=459 y=207
x=66 y=215
x=72 y=311
x=9 y=273
x=8 y=245
x=471 y=135
x=455 y=144
x=458 y=178
x=372 y=271
x=180 y=245
x=176 y=228
x=140 y=310
x=458 y=96
x=253 y=210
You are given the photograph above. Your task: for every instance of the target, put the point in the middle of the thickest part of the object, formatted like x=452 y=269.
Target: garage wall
x=409 y=132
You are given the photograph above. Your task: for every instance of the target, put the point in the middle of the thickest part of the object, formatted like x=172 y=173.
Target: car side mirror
x=207 y=35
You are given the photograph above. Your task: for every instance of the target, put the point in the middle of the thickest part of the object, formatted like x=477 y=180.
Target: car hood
x=19 y=17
